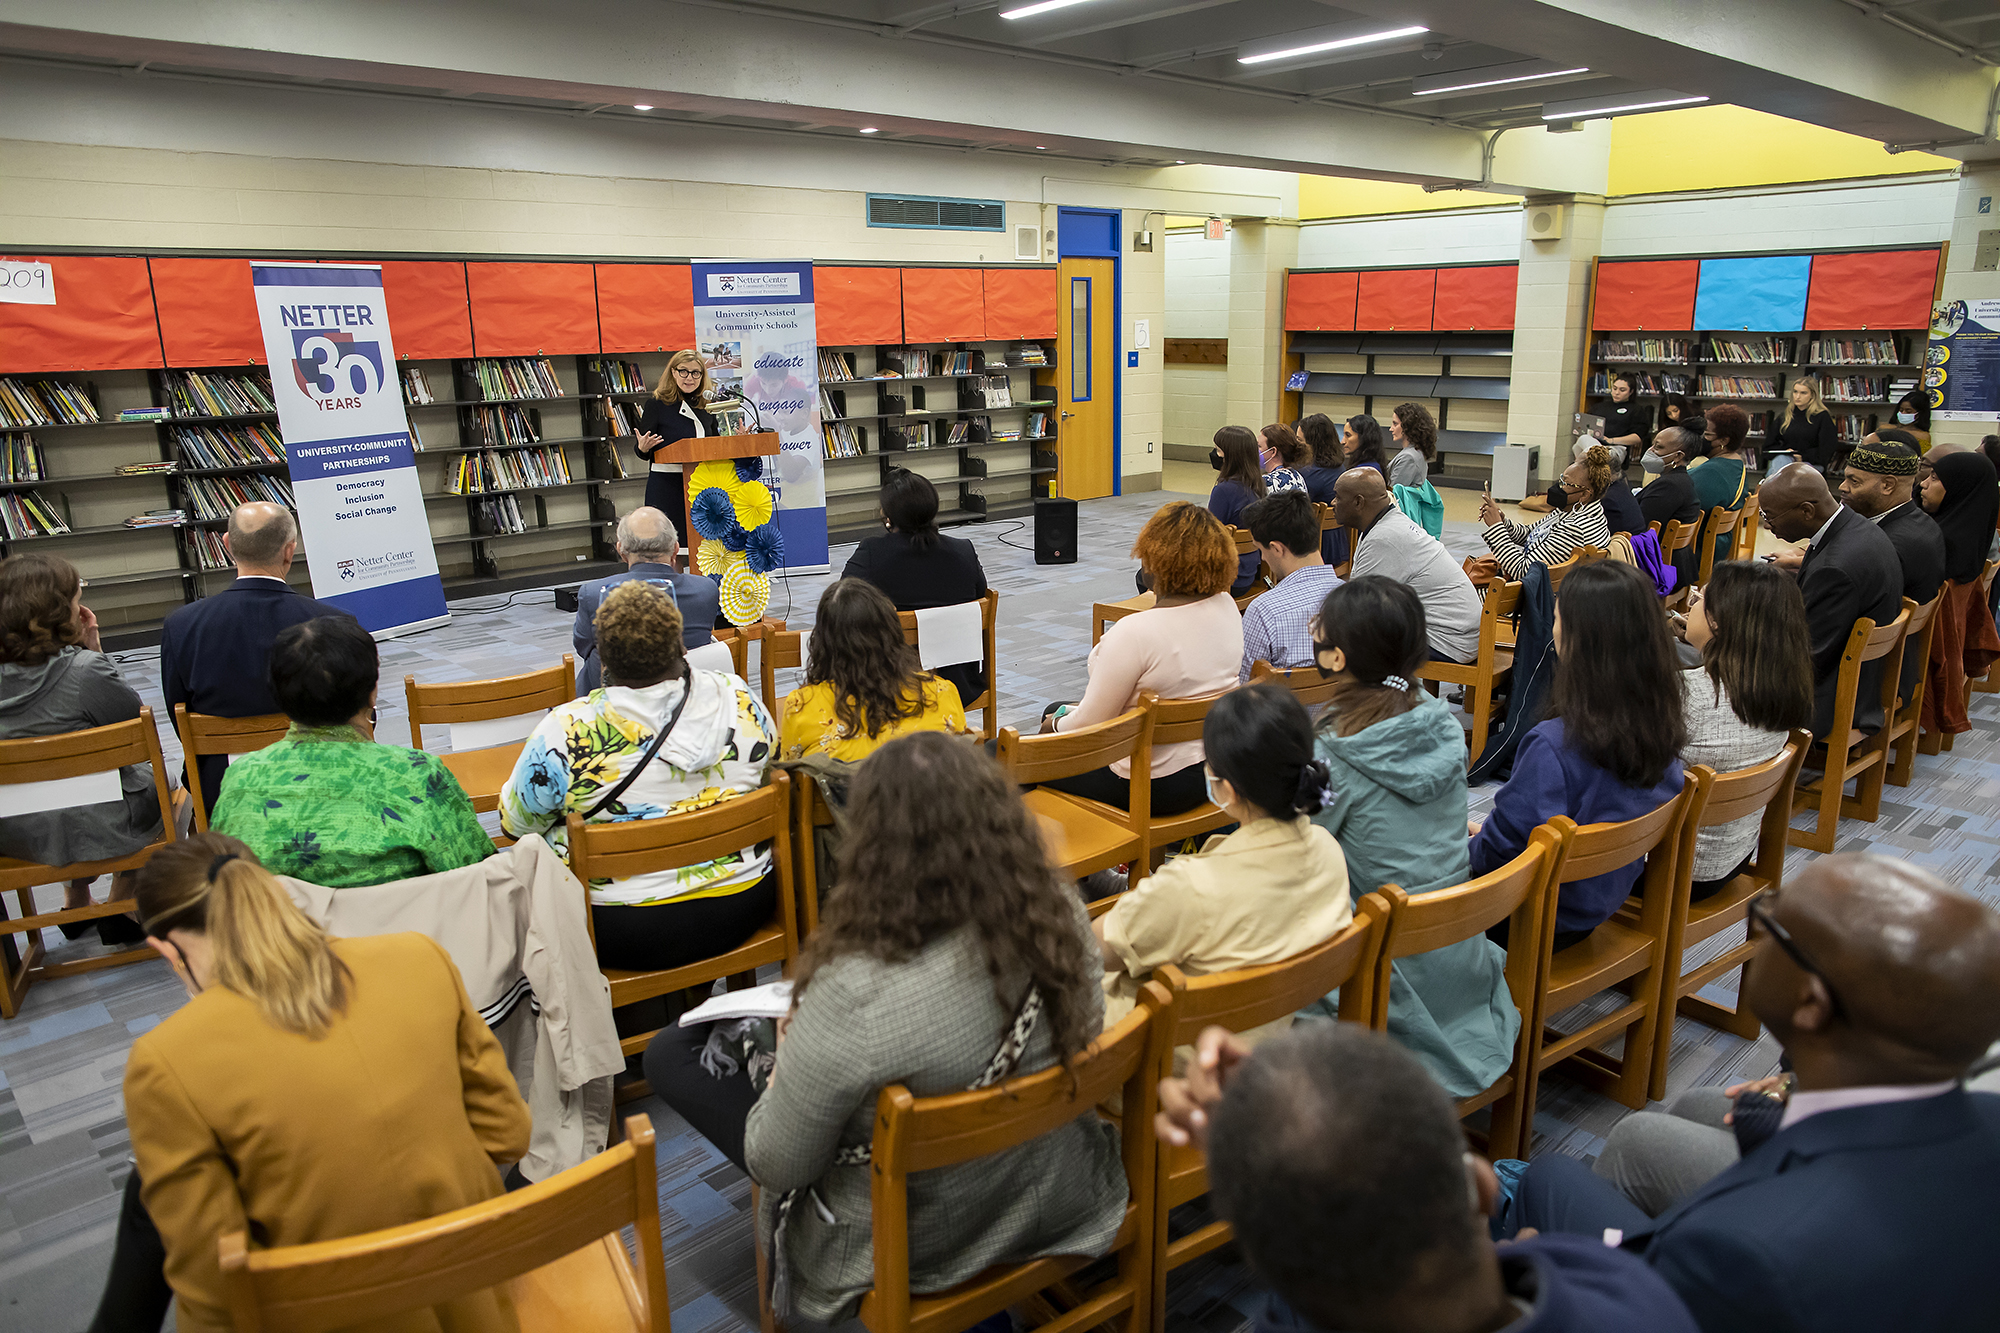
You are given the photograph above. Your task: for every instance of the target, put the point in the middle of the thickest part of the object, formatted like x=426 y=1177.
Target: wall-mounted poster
x=1962 y=367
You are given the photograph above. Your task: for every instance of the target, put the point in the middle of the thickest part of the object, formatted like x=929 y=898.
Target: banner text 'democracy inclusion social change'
x=354 y=475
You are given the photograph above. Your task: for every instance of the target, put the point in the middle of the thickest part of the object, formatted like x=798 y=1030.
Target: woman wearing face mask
x=1241 y=485
x=1722 y=481
x=1669 y=494
x=1804 y=431
x=1559 y=536
x=1962 y=493
x=1913 y=414
x=1281 y=454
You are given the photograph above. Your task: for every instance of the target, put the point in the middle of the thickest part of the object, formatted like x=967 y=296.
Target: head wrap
x=1886 y=460
x=1967 y=515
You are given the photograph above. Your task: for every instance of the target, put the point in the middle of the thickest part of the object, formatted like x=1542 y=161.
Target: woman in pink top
x=1189 y=643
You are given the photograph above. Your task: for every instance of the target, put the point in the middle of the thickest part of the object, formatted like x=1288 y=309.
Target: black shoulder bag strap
x=659 y=739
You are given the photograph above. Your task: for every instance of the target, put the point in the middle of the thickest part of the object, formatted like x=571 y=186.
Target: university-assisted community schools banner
x=361 y=506
x=753 y=322
x=1962 y=367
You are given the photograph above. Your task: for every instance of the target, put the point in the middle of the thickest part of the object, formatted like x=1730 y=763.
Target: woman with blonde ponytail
x=310 y=1089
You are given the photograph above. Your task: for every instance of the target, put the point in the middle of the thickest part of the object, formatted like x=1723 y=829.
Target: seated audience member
x=1913 y=415
x=1281 y=453
x=1621 y=507
x=1275 y=887
x=1965 y=495
x=1753 y=686
x=1849 y=571
x=1274 y=626
x=1864 y=1203
x=1189 y=643
x=309 y=1090
x=1415 y=432
x=1628 y=424
x=648 y=546
x=918 y=567
x=328 y=804
x=1236 y=457
x=1396 y=758
x=1675 y=411
x=1362 y=445
x=1804 y=432
x=1559 y=536
x=1669 y=496
x=1722 y=480
x=55 y=679
x=863 y=685
x=661 y=738
x=945 y=928
x=1393 y=546
x=1610 y=750
x=1343 y=1171
x=1878 y=483
x=213 y=650
x=1322 y=440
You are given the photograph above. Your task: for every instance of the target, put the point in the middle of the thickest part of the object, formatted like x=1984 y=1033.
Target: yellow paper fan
x=754 y=505
x=744 y=595
x=711 y=556
x=717 y=472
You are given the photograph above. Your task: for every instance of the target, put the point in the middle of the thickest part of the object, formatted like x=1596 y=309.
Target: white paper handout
x=949 y=635
x=770 y=1001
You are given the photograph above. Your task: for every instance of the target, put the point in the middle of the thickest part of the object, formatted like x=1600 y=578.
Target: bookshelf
x=1461 y=377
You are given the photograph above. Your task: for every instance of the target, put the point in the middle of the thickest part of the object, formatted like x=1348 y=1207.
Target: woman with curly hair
x=687 y=739
x=1560 y=535
x=945 y=938
x=863 y=686
x=1413 y=428
x=54 y=679
x=1190 y=642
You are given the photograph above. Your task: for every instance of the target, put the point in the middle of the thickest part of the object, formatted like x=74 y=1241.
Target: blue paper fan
x=750 y=469
x=765 y=549
x=713 y=514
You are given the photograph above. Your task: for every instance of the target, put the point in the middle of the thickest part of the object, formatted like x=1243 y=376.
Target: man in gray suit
x=648 y=546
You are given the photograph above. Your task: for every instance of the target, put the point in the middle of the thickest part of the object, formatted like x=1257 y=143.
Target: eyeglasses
x=1762 y=920
x=687 y=370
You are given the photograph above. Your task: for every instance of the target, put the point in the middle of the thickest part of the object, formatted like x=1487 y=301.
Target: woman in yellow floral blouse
x=863 y=685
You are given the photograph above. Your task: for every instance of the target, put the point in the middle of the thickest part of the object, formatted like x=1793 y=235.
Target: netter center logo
x=375 y=566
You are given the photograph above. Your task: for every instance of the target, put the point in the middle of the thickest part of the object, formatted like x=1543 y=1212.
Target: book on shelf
x=611 y=462
x=1038 y=423
x=1853 y=352
x=204 y=393
x=960 y=433
x=416 y=436
x=417 y=387
x=1642 y=349
x=145 y=414
x=21 y=458
x=829 y=410
x=1853 y=427
x=1649 y=383
x=44 y=403
x=1854 y=388
x=998 y=391
x=1768 y=352
x=217 y=497
x=158 y=518
x=620 y=376
x=843 y=440
x=522 y=469
x=621 y=420
x=239 y=445
x=159 y=469
x=835 y=367
x=26 y=514
x=516 y=377
x=208 y=548
x=498 y=514
x=506 y=424
x=1005 y=435
x=1030 y=354
x=1737 y=386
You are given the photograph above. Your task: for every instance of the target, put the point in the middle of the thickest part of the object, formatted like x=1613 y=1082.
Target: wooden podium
x=709 y=449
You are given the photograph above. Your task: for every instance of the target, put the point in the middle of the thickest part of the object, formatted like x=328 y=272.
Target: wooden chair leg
x=1866 y=803
x=1482 y=721
x=1826 y=825
x=1904 y=760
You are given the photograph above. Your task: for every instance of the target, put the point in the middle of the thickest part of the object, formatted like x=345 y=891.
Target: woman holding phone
x=674 y=413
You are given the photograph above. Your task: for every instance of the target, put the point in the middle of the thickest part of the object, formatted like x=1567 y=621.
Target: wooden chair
x=1752 y=520
x=1327 y=523
x=988 y=700
x=1518 y=893
x=1261 y=582
x=44 y=773
x=1583 y=555
x=1720 y=799
x=1104 y=613
x=1176 y=721
x=1482 y=675
x=1848 y=754
x=1720 y=519
x=734 y=642
x=810 y=813
x=1241 y=999
x=1990 y=682
x=204 y=734
x=1093 y=836
x=779 y=649
x=913 y=1134
x=1902 y=725
x=553 y=1247
x=490 y=721
x=1677 y=537
x=636 y=846
x=1615 y=952
x=1312 y=689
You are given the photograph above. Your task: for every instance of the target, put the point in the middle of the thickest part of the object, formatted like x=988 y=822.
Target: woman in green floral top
x=328 y=804
x=719 y=744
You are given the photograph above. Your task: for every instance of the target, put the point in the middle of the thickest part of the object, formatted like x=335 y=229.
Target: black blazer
x=672 y=424
x=214 y=655
x=1669 y=497
x=1856 y=1220
x=914 y=578
x=1811 y=438
x=1919 y=544
x=1852 y=572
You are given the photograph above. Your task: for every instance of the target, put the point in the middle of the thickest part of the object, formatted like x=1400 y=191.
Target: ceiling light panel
x=1492 y=76
x=1029 y=11
x=1612 y=104
x=1313 y=41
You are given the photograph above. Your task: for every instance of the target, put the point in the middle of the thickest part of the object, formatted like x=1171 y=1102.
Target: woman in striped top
x=1560 y=535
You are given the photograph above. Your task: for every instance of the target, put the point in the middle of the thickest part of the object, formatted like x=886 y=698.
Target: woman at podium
x=674 y=413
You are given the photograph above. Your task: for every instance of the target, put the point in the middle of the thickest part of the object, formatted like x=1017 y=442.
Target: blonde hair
x=262 y=946
x=669 y=392
x=1814 y=408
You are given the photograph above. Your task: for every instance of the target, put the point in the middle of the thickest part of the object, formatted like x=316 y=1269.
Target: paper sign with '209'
x=27 y=282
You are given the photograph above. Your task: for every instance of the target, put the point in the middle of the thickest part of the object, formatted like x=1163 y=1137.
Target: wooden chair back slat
x=1721 y=519
x=1433 y=920
x=638 y=846
x=1179 y=720
x=1061 y=754
x=1248 y=997
x=781 y=650
x=1751 y=526
x=1744 y=792
x=1599 y=849
x=1583 y=555
x=205 y=734
x=488 y=700
x=74 y=754
x=1306 y=683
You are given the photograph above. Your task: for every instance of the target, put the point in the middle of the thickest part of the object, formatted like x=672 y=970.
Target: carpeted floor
x=64 y=1150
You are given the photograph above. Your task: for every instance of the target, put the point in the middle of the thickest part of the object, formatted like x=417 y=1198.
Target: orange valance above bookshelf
x=103 y=319
x=1395 y=299
x=1320 y=301
x=1402 y=300
x=856 y=306
x=645 y=307
x=1020 y=303
x=429 y=316
x=1476 y=298
x=1885 y=289
x=532 y=309
x=943 y=305
x=208 y=314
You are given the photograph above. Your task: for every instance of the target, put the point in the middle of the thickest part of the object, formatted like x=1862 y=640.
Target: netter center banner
x=354 y=474
x=753 y=323
x=1962 y=367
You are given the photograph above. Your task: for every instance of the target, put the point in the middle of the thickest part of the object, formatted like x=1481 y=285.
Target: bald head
x=262 y=538
x=1359 y=495
x=1909 y=974
x=1796 y=503
x=647 y=536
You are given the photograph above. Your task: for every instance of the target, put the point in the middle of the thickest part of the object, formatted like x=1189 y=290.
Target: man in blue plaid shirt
x=1276 y=628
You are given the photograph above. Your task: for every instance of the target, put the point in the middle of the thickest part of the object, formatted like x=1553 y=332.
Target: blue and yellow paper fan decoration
x=764 y=549
x=745 y=593
x=736 y=515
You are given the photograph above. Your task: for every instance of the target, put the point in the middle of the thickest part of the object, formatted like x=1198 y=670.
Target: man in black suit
x=1848 y=572
x=1881 y=474
x=1865 y=1200
x=213 y=652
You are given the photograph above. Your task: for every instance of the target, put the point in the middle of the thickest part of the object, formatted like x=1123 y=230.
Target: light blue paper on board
x=1762 y=293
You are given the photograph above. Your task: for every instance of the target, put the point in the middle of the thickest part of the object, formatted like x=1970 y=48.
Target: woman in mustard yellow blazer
x=311 y=1089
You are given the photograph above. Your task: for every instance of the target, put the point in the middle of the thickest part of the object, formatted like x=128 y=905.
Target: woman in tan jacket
x=311 y=1089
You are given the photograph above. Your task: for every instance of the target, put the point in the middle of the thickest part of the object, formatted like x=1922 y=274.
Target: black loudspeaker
x=1055 y=532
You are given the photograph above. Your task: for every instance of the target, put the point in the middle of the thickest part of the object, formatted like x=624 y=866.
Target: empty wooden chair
x=1242 y=999
x=779 y=649
x=553 y=1247
x=489 y=722
x=42 y=773
x=1306 y=683
x=637 y=846
x=1848 y=754
x=1720 y=520
x=1902 y=724
x=1175 y=721
x=1481 y=676
x=203 y=734
x=988 y=699
x=1746 y=545
x=1092 y=836
x=1517 y=893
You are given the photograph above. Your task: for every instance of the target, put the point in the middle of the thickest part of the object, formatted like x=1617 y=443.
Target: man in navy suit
x=1871 y=1205
x=213 y=652
x=648 y=546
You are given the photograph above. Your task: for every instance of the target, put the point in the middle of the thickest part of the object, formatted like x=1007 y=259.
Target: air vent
x=937 y=214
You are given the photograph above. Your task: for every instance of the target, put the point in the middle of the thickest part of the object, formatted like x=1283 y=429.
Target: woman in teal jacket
x=1397 y=759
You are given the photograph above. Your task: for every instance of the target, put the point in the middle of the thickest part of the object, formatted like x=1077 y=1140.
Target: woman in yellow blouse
x=863 y=685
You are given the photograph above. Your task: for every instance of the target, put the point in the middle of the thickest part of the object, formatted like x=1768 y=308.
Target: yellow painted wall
x=1715 y=147
x=1340 y=197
